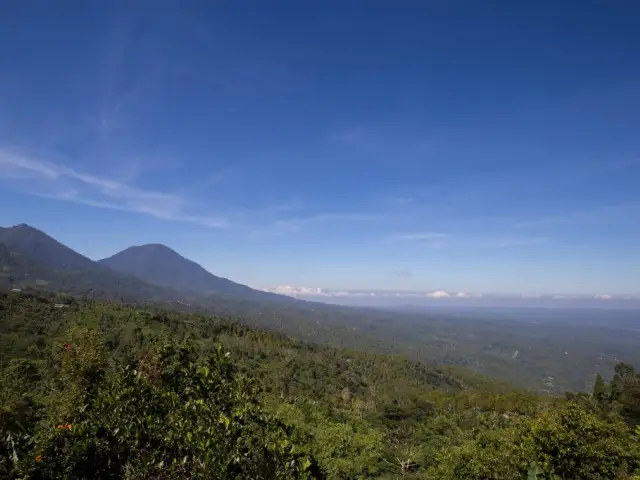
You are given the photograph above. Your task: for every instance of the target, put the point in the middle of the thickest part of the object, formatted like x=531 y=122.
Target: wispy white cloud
x=296 y=291
x=292 y=225
x=37 y=176
x=603 y=297
x=429 y=239
x=340 y=217
x=436 y=295
x=460 y=295
x=424 y=236
x=382 y=142
x=518 y=241
x=403 y=274
x=467 y=295
x=440 y=240
x=60 y=182
x=398 y=201
x=598 y=215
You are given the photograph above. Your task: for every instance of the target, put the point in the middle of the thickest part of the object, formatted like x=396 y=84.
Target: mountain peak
x=151 y=252
x=22 y=227
x=158 y=264
x=42 y=248
x=153 y=247
x=159 y=246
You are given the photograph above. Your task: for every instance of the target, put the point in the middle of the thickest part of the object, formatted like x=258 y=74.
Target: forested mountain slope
x=18 y=270
x=102 y=390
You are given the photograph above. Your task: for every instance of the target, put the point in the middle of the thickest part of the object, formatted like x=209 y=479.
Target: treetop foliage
x=103 y=390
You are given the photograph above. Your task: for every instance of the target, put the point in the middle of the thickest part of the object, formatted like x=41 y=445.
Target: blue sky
x=488 y=147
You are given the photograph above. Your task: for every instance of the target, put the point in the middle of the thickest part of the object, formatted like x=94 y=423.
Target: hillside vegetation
x=103 y=390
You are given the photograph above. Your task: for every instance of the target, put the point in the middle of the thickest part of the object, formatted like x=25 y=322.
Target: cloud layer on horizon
x=297 y=291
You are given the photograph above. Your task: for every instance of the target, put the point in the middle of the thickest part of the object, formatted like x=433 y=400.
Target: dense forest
x=95 y=389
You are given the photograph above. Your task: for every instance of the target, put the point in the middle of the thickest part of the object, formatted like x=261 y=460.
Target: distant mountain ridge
x=149 y=272
x=42 y=248
x=160 y=265
x=31 y=258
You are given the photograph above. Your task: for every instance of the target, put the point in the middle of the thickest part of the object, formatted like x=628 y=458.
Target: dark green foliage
x=172 y=413
x=567 y=442
x=599 y=389
x=154 y=394
x=624 y=393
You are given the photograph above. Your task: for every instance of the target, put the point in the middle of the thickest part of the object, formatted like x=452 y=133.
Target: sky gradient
x=476 y=147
